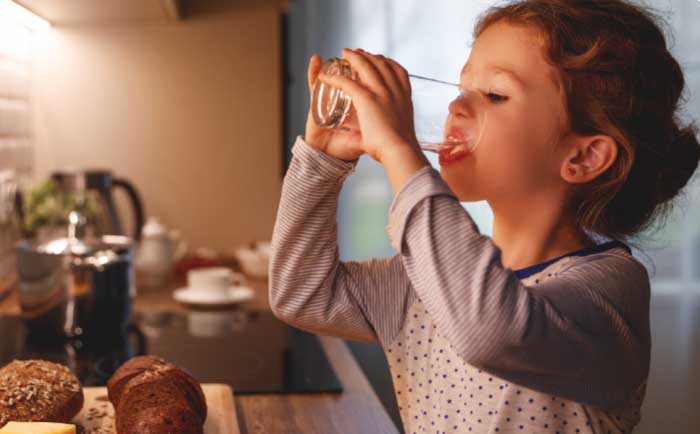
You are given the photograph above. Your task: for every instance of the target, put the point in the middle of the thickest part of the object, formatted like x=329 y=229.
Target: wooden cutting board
x=97 y=415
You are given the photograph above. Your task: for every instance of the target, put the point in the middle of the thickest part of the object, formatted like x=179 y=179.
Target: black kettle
x=101 y=183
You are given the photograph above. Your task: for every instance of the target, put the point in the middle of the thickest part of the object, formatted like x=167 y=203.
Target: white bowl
x=253 y=262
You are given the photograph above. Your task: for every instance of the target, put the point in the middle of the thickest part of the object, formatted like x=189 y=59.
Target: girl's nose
x=456 y=107
x=465 y=104
x=460 y=106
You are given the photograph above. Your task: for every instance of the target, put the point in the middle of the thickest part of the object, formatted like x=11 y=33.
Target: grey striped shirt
x=472 y=346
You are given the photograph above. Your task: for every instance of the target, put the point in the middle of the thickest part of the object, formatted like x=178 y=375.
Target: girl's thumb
x=314 y=68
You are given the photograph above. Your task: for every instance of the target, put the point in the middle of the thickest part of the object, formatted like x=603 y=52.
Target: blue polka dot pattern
x=451 y=387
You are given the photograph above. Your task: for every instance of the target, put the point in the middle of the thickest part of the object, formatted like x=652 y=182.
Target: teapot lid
x=154 y=228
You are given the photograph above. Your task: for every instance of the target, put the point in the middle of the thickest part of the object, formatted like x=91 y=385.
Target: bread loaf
x=167 y=419
x=151 y=395
x=129 y=370
x=37 y=428
x=38 y=391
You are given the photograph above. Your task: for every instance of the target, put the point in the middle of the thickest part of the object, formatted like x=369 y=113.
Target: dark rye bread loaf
x=129 y=370
x=167 y=419
x=145 y=392
x=138 y=365
x=38 y=391
x=191 y=387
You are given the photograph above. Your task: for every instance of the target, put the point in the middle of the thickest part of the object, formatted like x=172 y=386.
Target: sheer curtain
x=433 y=39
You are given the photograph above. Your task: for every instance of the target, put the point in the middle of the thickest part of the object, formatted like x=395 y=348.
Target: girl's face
x=526 y=118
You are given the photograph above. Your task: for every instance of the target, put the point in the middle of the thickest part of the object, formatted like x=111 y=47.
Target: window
x=434 y=41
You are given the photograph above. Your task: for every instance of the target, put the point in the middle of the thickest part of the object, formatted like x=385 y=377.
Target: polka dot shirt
x=473 y=347
x=437 y=392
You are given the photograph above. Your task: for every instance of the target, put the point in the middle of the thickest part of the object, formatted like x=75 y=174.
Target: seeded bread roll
x=149 y=395
x=38 y=391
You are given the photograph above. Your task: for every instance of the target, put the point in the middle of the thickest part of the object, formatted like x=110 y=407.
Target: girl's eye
x=496 y=98
x=491 y=96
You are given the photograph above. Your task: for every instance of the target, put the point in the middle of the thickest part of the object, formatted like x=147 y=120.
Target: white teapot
x=159 y=249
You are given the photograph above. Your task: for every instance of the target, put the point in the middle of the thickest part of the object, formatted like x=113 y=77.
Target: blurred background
x=197 y=106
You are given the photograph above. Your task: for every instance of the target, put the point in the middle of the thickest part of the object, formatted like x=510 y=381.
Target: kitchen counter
x=356 y=410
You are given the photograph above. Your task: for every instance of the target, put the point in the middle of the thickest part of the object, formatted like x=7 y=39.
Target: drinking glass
x=332 y=108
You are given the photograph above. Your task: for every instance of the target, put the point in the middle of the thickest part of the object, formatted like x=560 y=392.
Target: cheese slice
x=37 y=428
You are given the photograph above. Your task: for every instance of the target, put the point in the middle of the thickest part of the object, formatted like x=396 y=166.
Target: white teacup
x=213 y=282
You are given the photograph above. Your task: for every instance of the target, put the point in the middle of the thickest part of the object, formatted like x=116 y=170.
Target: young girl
x=540 y=328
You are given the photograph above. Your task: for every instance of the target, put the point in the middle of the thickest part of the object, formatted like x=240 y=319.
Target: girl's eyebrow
x=499 y=70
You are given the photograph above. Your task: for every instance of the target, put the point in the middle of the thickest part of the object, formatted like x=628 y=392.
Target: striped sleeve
x=582 y=334
x=309 y=287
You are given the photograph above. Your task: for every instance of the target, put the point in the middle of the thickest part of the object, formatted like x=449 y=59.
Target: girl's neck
x=530 y=241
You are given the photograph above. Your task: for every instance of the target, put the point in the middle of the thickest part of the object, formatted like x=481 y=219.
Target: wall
x=189 y=111
x=15 y=136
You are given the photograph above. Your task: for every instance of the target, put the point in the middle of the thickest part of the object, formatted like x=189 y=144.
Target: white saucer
x=235 y=294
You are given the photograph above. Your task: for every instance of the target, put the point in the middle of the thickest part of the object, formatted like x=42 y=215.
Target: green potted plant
x=46 y=210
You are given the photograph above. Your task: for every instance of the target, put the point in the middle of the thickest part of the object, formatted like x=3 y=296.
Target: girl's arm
x=309 y=287
x=582 y=334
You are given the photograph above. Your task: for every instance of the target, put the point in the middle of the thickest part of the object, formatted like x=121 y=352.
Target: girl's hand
x=381 y=98
x=345 y=145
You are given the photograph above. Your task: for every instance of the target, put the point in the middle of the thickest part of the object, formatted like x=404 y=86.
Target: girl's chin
x=451 y=161
x=465 y=194
x=460 y=180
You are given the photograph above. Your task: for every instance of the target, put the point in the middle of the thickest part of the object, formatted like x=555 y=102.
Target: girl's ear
x=588 y=158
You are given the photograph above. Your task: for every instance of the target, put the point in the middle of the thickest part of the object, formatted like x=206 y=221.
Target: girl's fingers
x=401 y=74
x=366 y=71
x=388 y=74
x=314 y=68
